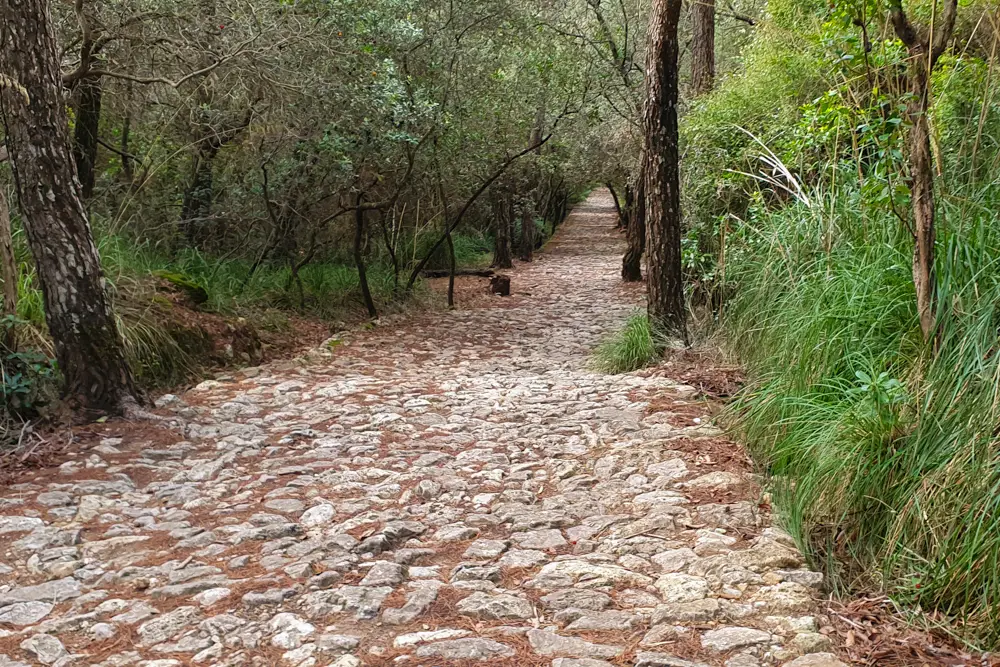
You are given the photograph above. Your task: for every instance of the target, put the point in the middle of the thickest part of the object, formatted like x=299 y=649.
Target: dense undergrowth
x=171 y=337
x=881 y=451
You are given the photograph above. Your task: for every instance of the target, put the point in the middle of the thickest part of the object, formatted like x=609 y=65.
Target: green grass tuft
x=636 y=346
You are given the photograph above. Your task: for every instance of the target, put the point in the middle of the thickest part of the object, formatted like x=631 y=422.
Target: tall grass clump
x=635 y=346
x=882 y=452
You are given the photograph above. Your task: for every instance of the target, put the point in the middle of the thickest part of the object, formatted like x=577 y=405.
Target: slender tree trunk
x=359 y=259
x=702 y=46
x=922 y=194
x=662 y=159
x=635 y=230
x=387 y=238
x=502 y=258
x=451 y=272
x=88 y=120
x=622 y=217
x=9 y=266
x=88 y=347
x=127 y=170
x=197 y=204
x=924 y=48
x=527 y=245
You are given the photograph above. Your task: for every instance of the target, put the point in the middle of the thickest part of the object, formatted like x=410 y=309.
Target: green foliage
x=636 y=346
x=878 y=449
x=27 y=375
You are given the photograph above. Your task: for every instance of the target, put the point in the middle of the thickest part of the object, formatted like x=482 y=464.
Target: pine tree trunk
x=635 y=230
x=88 y=120
x=87 y=343
x=702 y=46
x=622 y=219
x=662 y=158
x=452 y=266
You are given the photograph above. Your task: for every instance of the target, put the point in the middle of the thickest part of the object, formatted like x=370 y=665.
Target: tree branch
x=904 y=29
x=451 y=226
x=943 y=33
x=117 y=151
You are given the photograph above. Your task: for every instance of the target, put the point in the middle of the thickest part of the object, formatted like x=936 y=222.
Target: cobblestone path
x=450 y=489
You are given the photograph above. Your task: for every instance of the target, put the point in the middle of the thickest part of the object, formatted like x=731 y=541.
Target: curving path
x=448 y=489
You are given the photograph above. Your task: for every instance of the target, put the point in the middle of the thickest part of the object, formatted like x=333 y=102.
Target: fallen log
x=444 y=273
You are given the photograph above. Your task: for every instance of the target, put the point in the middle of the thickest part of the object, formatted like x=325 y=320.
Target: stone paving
x=450 y=489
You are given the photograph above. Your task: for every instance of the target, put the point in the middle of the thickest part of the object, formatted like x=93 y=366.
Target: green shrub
x=27 y=377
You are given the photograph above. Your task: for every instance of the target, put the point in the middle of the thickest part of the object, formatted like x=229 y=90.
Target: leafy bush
x=27 y=375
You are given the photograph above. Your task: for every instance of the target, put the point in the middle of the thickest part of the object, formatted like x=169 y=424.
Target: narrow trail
x=454 y=488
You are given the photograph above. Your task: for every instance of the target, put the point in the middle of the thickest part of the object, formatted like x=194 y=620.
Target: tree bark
x=9 y=266
x=88 y=347
x=635 y=230
x=88 y=120
x=702 y=46
x=662 y=159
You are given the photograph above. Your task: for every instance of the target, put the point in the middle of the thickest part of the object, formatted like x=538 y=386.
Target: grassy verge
x=881 y=452
x=170 y=338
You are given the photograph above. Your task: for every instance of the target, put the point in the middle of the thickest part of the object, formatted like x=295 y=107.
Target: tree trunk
x=527 y=245
x=127 y=171
x=359 y=259
x=451 y=272
x=88 y=347
x=924 y=48
x=502 y=257
x=88 y=120
x=8 y=264
x=527 y=248
x=197 y=205
x=702 y=46
x=635 y=230
x=622 y=222
x=922 y=194
x=662 y=159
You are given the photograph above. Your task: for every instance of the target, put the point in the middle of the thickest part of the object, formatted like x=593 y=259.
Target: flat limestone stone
x=544 y=642
x=466 y=649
